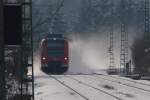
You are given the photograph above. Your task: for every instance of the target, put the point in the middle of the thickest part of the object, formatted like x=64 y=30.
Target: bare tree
x=41 y=21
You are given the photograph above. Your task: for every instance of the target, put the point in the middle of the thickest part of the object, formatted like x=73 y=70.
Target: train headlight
x=65 y=58
x=43 y=58
x=54 y=38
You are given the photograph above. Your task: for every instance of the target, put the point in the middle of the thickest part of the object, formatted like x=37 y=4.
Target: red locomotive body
x=54 y=54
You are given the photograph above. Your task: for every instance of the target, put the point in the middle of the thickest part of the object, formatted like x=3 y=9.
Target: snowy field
x=86 y=87
x=89 y=87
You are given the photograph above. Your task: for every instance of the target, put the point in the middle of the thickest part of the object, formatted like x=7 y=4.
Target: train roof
x=54 y=36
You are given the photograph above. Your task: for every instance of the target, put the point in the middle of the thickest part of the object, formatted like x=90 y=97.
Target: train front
x=54 y=54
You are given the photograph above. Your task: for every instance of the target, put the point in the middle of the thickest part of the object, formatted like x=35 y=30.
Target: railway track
x=69 y=87
x=95 y=88
x=119 y=82
x=92 y=87
x=87 y=85
x=126 y=80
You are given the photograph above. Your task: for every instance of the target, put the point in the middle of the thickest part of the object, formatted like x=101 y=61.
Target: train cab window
x=55 y=48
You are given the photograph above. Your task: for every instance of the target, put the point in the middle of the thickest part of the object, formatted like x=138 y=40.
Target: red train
x=54 y=54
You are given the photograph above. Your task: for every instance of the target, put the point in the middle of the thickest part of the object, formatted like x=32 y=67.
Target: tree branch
x=53 y=15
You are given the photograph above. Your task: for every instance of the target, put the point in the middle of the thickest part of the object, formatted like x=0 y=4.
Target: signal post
x=2 y=67
x=16 y=36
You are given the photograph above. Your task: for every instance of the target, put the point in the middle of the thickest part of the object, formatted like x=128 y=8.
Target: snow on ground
x=129 y=82
x=47 y=88
x=122 y=91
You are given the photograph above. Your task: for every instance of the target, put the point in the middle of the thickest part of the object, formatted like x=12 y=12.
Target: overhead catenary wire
x=59 y=6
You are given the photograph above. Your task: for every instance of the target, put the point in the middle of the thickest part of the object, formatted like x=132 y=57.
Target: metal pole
x=2 y=67
x=146 y=33
x=146 y=21
x=27 y=51
x=124 y=39
x=32 y=53
x=112 y=69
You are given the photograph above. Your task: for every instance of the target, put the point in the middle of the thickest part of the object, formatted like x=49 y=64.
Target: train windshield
x=55 y=48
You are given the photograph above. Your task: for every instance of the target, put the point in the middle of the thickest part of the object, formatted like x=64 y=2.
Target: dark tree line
x=141 y=56
x=95 y=15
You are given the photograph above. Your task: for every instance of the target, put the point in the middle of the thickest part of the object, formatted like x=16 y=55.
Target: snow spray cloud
x=37 y=63
x=88 y=54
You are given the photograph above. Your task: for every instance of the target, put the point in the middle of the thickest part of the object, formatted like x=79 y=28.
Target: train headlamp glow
x=43 y=58
x=54 y=38
x=65 y=58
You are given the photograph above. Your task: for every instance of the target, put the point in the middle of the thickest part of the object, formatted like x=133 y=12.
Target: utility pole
x=146 y=21
x=147 y=34
x=112 y=68
x=2 y=67
x=124 y=39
